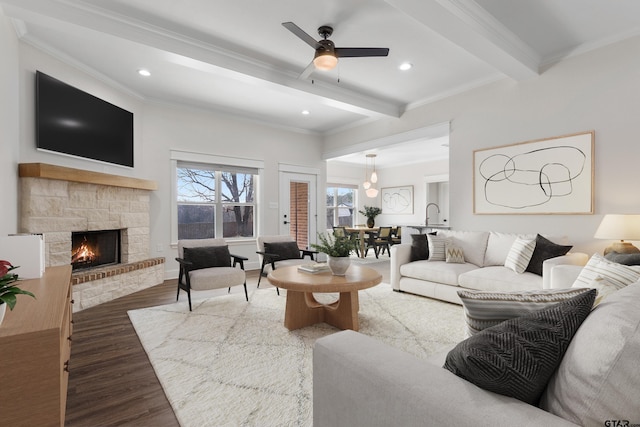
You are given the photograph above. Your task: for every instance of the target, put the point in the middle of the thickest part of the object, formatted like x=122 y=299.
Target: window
x=215 y=201
x=341 y=202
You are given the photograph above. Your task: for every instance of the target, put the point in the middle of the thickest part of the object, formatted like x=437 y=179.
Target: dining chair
x=382 y=241
x=396 y=238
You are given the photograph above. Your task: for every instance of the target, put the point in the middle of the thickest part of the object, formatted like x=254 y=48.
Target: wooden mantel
x=43 y=170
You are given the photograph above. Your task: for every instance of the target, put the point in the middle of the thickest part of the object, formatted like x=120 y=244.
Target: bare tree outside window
x=237 y=192
x=206 y=196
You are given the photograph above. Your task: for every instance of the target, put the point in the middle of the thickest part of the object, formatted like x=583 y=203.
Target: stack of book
x=316 y=267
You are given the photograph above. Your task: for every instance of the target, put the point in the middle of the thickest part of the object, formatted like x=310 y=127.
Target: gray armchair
x=280 y=251
x=207 y=264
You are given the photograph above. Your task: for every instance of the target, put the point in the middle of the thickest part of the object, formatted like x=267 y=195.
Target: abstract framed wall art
x=545 y=176
x=397 y=200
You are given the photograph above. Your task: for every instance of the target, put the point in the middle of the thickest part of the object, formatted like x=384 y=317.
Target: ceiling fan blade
x=347 y=52
x=301 y=34
x=307 y=71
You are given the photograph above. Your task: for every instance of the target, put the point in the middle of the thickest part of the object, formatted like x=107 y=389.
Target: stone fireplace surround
x=55 y=200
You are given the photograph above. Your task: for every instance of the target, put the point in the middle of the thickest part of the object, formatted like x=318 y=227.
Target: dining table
x=361 y=232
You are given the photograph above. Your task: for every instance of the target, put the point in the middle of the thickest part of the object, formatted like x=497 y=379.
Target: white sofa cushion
x=498 y=246
x=436 y=271
x=598 y=378
x=499 y=279
x=473 y=244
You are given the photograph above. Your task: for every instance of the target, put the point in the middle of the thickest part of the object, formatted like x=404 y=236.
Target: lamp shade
x=619 y=227
x=325 y=61
x=372 y=192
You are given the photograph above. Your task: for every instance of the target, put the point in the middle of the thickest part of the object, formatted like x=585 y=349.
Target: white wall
x=158 y=130
x=597 y=91
x=9 y=130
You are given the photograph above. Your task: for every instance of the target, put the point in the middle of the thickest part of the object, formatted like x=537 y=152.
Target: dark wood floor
x=111 y=381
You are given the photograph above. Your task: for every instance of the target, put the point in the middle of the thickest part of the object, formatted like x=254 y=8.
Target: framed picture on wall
x=546 y=176
x=397 y=200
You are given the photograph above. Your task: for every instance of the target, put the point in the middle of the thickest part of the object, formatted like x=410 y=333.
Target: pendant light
x=374 y=175
x=371 y=191
x=366 y=184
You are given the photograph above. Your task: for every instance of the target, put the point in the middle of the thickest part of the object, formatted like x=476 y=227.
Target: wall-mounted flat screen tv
x=73 y=122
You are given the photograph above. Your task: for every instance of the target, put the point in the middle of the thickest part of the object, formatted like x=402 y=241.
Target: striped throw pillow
x=437 y=247
x=520 y=255
x=618 y=275
x=483 y=309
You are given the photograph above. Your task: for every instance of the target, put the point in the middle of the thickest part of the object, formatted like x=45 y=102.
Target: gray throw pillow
x=626 y=259
x=518 y=356
x=208 y=256
x=284 y=250
x=544 y=250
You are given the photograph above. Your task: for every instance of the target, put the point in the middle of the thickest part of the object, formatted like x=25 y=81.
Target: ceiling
x=236 y=57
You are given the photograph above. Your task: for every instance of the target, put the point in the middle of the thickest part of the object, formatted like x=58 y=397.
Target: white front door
x=298 y=208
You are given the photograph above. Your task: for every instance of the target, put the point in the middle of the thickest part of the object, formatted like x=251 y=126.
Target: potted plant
x=8 y=290
x=371 y=212
x=337 y=249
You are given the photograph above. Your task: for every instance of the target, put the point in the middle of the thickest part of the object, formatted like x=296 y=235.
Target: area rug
x=229 y=362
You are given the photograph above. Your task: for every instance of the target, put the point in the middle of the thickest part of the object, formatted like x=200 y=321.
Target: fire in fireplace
x=91 y=249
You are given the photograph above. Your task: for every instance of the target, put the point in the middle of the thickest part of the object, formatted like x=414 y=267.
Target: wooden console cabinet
x=35 y=346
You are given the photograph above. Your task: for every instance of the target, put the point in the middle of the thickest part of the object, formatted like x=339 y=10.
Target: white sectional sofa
x=359 y=381
x=485 y=253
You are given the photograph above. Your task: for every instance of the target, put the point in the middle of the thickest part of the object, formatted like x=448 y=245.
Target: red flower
x=4 y=267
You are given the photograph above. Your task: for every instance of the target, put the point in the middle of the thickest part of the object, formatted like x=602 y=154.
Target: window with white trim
x=341 y=205
x=215 y=200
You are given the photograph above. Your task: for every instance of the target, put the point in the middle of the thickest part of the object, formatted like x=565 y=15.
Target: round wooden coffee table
x=302 y=309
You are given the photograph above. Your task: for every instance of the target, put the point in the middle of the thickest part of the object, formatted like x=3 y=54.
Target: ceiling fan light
x=372 y=192
x=325 y=61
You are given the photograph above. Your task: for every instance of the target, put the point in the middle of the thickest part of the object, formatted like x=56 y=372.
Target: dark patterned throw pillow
x=208 y=256
x=420 y=247
x=284 y=250
x=517 y=357
x=544 y=250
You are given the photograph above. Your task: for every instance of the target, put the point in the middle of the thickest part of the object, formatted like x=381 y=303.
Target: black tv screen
x=74 y=122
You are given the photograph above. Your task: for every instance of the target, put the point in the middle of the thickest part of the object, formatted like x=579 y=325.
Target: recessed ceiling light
x=405 y=66
x=305 y=112
x=143 y=72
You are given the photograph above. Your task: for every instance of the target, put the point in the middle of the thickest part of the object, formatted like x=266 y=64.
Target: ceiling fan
x=326 y=56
